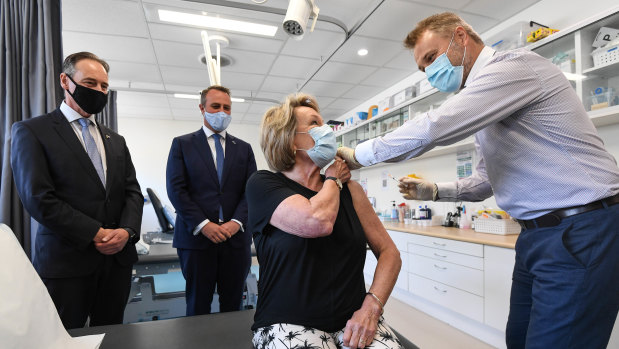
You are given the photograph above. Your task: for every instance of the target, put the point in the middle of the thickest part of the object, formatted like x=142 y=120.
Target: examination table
x=221 y=330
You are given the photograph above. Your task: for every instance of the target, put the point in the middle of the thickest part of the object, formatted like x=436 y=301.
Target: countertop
x=467 y=235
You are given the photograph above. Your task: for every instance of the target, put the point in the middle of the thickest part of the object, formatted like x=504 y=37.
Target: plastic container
x=361 y=116
x=512 y=37
x=602 y=100
x=497 y=226
x=606 y=55
x=372 y=111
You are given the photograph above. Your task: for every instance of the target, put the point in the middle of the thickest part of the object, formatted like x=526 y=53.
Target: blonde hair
x=278 y=128
x=444 y=24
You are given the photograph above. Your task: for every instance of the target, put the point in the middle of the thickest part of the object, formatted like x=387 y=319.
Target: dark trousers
x=565 y=290
x=221 y=265
x=102 y=296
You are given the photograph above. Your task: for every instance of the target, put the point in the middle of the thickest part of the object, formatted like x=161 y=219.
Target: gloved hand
x=348 y=154
x=417 y=189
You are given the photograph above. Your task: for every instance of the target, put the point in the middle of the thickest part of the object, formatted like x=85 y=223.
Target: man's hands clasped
x=111 y=241
x=220 y=233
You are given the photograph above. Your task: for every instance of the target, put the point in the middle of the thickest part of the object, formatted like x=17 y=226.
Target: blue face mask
x=444 y=76
x=219 y=121
x=325 y=148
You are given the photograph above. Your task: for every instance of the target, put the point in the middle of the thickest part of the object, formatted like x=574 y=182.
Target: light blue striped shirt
x=538 y=149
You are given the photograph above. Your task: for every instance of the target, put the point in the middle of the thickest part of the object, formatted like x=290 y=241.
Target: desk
x=221 y=330
x=214 y=331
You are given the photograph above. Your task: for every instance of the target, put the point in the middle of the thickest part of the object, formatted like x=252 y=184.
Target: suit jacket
x=60 y=188
x=193 y=187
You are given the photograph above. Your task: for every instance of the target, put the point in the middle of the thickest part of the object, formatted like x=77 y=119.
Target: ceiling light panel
x=211 y=22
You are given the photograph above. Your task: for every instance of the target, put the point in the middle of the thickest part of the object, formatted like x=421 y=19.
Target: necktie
x=220 y=166
x=91 y=148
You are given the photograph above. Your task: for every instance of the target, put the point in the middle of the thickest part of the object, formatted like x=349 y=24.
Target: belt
x=554 y=218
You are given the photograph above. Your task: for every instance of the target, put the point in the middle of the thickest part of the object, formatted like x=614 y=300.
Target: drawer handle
x=439 y=267
x=438 y=255
x=438 y=289
x=437 y=244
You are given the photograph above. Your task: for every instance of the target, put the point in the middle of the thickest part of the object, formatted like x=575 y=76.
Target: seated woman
x=310 y=233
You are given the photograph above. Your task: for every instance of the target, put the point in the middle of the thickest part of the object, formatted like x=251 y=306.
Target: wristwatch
x=132 y=234
x=337 y=181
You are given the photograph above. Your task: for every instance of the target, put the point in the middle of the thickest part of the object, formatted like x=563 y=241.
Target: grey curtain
x=108 y=116
x=30 y=66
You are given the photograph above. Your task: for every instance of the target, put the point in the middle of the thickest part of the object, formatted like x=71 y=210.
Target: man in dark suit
x=76 y=178
x=206 y=176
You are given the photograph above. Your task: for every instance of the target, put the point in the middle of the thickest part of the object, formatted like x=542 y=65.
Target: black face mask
x=91 y=101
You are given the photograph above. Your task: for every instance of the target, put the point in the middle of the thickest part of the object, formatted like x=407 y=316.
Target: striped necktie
x=91 y=149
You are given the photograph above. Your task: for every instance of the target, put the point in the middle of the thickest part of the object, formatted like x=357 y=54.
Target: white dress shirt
x=211 y=144
x=538 y=149
x=73 y=117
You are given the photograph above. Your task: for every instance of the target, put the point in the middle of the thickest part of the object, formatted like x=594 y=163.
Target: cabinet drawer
x=399 y=239
x=462 y=302
x=447 y=256
x=464 y=278
x=449 y=245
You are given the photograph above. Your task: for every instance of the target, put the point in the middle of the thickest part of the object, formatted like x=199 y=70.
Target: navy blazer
x=193 y=187
x=60 y=188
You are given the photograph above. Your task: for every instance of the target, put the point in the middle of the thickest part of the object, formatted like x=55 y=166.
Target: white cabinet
x=498 y=268
x=462 y=283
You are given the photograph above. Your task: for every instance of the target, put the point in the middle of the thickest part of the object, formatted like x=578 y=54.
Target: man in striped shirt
x=542 y=159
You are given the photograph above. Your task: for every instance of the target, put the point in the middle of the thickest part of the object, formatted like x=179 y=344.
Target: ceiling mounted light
x=297 y=15
x=216 y=23
x=362 y=52
x=186 y=96
x=197 y=96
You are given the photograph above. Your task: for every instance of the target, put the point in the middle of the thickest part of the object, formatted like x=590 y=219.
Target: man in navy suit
x=76 y=178
x=206 y=176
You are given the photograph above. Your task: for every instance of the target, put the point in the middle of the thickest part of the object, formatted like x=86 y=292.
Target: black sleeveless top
x=309 y=282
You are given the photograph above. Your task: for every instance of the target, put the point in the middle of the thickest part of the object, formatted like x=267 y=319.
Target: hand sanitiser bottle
x=394 y=212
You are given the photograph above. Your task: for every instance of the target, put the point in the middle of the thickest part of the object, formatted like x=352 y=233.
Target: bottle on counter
x=428 y=212
x=394 y=211
x=465 y=222
x=423 y=213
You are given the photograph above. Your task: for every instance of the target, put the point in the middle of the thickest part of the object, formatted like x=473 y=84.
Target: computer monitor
x=166 y=225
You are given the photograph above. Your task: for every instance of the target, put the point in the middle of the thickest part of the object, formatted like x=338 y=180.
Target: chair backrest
x=166 y=227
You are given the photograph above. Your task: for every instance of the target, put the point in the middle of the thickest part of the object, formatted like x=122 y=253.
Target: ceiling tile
x=445 y=4
x=385 y=77
x=379 y=51
x=327 y=89
x=279 y=84
x=294 y=67
x=182 y=34
x=112 y=17
x=499 y=10
x=316 y=45
x=345 y=103
x=130 y=71
x=395 y=19
x=344 y=72
x=403 y=61
x=109 y=47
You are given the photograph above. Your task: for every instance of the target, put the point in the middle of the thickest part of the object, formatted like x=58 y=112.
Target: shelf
x=604 y=70
x=388 y=112
x=605 y=116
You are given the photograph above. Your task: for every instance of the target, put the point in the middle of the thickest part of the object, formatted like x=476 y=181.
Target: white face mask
x=325 y=146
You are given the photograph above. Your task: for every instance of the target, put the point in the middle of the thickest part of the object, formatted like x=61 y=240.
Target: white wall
x=149 y=142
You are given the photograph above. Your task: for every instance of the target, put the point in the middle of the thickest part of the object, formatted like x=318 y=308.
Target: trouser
x=102 y=296
x=565 y=290
x=220 y=265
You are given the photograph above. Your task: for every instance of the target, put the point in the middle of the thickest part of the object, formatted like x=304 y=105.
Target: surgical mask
x=444 y=76
x=219 y=121
x=325 y=147
x=91 y=101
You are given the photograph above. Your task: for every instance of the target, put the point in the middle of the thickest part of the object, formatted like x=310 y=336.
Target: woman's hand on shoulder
x=338 y=169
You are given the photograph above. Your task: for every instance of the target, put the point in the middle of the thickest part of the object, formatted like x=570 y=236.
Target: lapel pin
x=107 y=136
x=233 y=142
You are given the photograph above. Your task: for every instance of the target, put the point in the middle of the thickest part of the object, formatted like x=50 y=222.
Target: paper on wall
x=28 y=317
